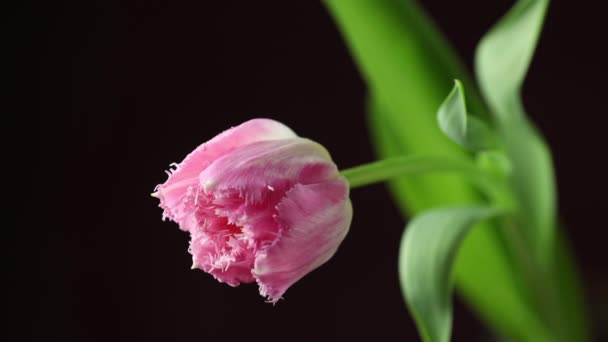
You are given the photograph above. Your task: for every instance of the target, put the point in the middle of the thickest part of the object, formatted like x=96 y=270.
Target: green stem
x=390 y=168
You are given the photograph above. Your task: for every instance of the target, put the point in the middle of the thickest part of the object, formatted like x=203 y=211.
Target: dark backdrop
x=127 y=87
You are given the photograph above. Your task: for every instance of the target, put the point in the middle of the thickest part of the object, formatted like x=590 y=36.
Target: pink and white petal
x=260 y=168
x=316 y=218
x=238 y=273
x=259 y=227
x=186 y=173
x=231 y=267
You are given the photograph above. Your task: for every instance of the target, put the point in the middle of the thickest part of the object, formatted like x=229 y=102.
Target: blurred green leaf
x=408 y=67
x=533 y=181
x=469 y=132
x=495 y=163
x=505 y=52
x=427 y=254
x=502 y=60
x=484 y=272
x=570 y=293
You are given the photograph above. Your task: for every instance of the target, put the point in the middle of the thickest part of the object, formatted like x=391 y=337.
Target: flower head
x=261 y=204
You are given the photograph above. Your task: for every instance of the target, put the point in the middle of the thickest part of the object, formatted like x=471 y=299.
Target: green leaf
x=533 y=181
x=505 y=52
x=495 y=163
x=469 y=132
x=408 y=65
x=484 y=273
x=405 y=62
x=570 y=293
x=427 y=255
x=502 y=60
x=452 y=115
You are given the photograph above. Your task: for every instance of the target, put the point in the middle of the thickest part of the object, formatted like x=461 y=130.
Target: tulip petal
x=186 y=173
x=250 y=182
x=257 y=220
x=256 y=169
x=316 y=218
x=229 y=261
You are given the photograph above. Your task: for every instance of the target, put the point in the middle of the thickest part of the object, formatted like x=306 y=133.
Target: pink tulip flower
x=261 y=204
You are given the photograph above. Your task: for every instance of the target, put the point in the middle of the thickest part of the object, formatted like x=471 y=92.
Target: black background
x=127 y=87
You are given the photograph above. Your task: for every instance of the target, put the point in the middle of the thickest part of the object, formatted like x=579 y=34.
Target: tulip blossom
x=261 y=204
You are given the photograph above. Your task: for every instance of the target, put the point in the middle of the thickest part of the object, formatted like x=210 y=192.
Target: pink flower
x=261 y=204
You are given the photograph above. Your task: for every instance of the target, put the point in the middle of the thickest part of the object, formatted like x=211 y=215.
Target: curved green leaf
x=502 y=60
x=505 y=52
x=483 y=273
x=427 y=256
x=469 y=132
x=406 y=64
x=495 y=163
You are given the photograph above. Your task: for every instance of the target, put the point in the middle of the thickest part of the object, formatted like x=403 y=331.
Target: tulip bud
x=261 y=204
